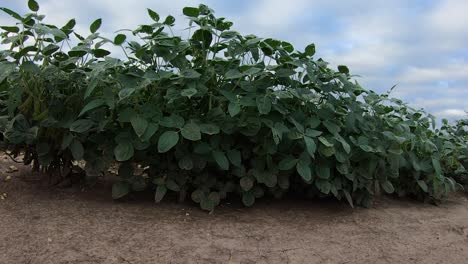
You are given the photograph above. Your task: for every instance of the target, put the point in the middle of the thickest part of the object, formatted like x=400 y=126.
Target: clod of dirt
x=11 y=169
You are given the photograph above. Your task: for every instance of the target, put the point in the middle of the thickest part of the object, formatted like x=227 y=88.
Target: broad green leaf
x=343 y=69
x=120 y=189
x=310 y=145
x=33 y=5
x=233 y=74
x=310 y=50
x=234 y=156
x=234 y=109
x=303 y=168
x=186 y=163
x=197 y=195
x=248 y=198
x=323 y=171
x=313 y=133
x=77 y=150
x=124 y=151
x=209 y=129
x=190 y=74
x=95 y=25
x=287 y=163
x=66 y=141
x=161 y=191
x=81 y=126
x=119 y=39
x=263 y=104
x=191 y=11
x=191 y=131
x=388 y=187
x=139 y=125
x=92 y=105
x=332 y=127
x=190 y=92
x=172 y=185
x=169 y=21
x=167 y=141
x=221 y=160
x=11 y=13
x=100 y=53
x=246 y=183
x=423 y=185
x=153 y=15
x=325 y=142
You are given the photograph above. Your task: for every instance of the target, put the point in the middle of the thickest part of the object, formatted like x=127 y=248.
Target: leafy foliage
x=213 y=115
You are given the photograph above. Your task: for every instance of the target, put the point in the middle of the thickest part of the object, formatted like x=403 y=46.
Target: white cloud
x=452 y=113
x=449 y=17
x=454 y=71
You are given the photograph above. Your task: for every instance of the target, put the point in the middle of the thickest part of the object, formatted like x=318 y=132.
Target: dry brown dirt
x=40 y=224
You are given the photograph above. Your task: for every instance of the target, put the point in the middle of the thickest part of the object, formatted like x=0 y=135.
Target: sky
x=419 y=45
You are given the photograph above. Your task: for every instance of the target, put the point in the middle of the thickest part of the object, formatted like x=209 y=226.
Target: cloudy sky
x=420 y=45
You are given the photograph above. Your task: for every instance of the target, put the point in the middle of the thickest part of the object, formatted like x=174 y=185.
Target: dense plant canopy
x=218 y=114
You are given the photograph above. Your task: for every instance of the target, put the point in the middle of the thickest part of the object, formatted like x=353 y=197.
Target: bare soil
x=43 y=224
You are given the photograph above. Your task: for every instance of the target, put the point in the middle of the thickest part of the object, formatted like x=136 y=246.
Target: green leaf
x=204 y=36
x=209 y=129
x=150 y=131
x=332 y=127
x=221 y=160
x=234 y=156
x=120 y=189
x=263 y=105
x=233 y=74
x=323 y=186
x=388 y=187
x=100 y=53
x=153 y=15
x=81 y=126
x=172 y=185
x=366 y=148
x=313 y=133
x=246 y=183
x=343 y=69
x=191 y=11
x=66 y=141
x=33 y=5
x=167 y=141
x=310 y=145
x=234 y=109
x=248 y=199
x=423 y=185
x=173 y=121
x=139 y=124
x=11 y=13
x=92 y=105
x=186 y=163
x=10 y=29
x=310 y=50
x=119 y=39
x=124 y=151
x=287 y=163
x=95 y=25
x=77 y=150
x=161 y=191
x=191 y=131
x=197 y=195
x=189 y=92
x=325 y=142
x=190 y=74
x=323 y=172
x=169 y=21
x=303 y=168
